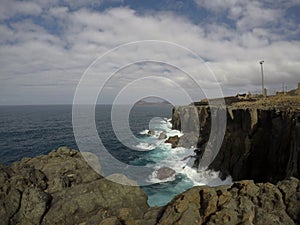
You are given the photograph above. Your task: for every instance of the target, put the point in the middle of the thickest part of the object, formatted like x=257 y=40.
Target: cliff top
x=280 y=101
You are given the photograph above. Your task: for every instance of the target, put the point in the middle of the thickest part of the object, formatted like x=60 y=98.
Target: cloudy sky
x=46 y=47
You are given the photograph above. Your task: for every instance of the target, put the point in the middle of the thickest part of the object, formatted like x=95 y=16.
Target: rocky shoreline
x=61 y=188
x=261 y=140
x=260 y=150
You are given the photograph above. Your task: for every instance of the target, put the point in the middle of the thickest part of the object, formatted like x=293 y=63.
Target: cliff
x=261 y=141
x=61 y=188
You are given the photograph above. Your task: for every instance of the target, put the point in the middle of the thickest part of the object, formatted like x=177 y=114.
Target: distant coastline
x=142 y=102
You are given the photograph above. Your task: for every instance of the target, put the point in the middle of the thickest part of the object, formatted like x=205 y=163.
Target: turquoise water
x=28 y=131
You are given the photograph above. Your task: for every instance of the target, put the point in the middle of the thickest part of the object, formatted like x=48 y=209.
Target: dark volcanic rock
x=61 y=188
x=151 y=132
x=164 y=173
x=173 y=141
x=242 y=203
x=188 y=140
x=34 y=204
x=162 y=135
x=259 y=143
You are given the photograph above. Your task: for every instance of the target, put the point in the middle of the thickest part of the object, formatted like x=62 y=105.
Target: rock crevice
x=32 y=193
x=259 y=144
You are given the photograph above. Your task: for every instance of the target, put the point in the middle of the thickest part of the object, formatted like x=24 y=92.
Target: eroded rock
x=164 y=173
x=241 y=203
x=173 y=141
x=32 y=197
x=261 y=140
x=62 y=188
x=151 y=132
x=162 y=135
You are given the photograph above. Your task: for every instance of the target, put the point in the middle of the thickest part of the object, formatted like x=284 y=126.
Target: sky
x=47 y=47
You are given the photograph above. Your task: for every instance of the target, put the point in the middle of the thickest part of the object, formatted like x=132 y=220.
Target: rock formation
x=173 y=141
x=262 y=138
x=164 y=173
x=162 y=135
x=243 y=202
x=151 y=133
x=61 y=188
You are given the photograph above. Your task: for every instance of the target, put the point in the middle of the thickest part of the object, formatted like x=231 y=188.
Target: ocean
x=29 y=131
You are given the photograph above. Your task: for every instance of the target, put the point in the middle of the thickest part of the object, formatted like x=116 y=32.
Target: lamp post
x=262 y=78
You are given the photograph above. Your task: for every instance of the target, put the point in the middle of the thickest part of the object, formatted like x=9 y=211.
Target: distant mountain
x=145 y=102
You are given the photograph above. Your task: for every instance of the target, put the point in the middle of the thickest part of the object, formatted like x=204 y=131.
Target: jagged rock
x=242 y=203
x=62 y=168
x=151 y=132
x=110 y=221
x=71 y=205
x=151 y=216
x=185 y=119
x=183 y=209
x=96 y=200
x=10 y=199
x=34 y=205
x=173 y=141
x=61 y=188
x=188 y=140
x=164 y=173
x=291 y=195
x=162 y=135
x=260 y=142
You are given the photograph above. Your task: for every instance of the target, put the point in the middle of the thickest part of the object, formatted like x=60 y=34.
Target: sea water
x=28 y=131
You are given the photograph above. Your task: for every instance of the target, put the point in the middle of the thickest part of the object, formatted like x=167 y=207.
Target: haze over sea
x=29 y=131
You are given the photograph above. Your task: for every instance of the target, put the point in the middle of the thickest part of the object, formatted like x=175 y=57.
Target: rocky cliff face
x=261 y=142
x=242 y=203
x=60 y=188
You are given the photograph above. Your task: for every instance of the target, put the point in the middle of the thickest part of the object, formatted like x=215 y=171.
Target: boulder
x=151 y=132
x=162 y=135
x=173 y=141
x=164 y=173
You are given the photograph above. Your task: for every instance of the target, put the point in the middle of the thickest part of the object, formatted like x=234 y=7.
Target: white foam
x=205 y=177
x=164 y=156
x=144 y=132
x=173 y=133
x=153 y=178
x=146 y=146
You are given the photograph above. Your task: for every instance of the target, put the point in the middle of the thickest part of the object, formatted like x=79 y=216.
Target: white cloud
x=33 y=58
x=12 y=8
x=254 y=14
x=58 y=12
x=216 y=5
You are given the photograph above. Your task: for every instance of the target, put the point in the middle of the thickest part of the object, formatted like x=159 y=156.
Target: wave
x=162 y=154
x=146 y=146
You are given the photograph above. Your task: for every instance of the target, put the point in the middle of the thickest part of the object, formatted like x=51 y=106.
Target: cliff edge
x=262 y=136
